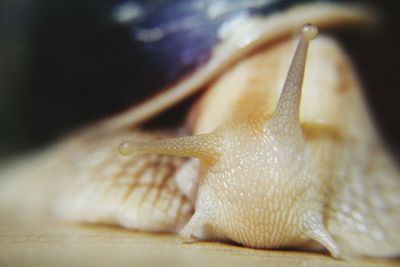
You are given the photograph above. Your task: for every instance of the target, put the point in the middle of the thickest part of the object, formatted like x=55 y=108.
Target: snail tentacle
x=198 y=146
x=288 y=107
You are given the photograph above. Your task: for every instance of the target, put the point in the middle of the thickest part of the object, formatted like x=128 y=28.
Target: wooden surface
x=55 y=244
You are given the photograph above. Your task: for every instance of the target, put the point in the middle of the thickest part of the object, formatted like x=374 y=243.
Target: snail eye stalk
x=207 y=147
x=203 y=147
x=288 y=108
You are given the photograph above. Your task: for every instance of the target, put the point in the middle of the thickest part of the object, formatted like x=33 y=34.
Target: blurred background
x=66 y=63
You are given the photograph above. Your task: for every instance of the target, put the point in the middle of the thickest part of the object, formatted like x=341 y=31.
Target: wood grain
x=55 y=244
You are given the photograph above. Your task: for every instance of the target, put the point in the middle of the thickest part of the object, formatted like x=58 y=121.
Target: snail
x=263 y=159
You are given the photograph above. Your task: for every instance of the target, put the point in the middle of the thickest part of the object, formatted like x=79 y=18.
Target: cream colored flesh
x=85 y=180
x=345 y=151
x=274 y=175
x=256 y=184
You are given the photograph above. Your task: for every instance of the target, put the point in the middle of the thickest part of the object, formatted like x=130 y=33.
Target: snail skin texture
x=272 y=161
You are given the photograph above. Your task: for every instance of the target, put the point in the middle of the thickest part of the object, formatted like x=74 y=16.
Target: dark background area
x=66 y=63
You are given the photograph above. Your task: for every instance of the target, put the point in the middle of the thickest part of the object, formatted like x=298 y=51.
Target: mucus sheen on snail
x=260 y=184
x=265 y=167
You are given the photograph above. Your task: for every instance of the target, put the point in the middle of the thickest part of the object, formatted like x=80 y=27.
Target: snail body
x=267 y=163
x=268 y=167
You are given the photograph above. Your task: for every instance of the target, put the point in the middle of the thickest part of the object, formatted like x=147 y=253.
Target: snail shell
x=263 y=171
